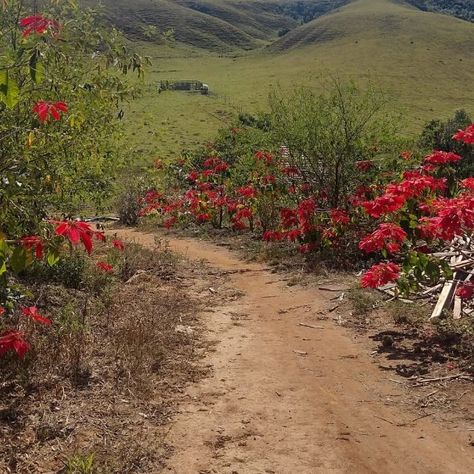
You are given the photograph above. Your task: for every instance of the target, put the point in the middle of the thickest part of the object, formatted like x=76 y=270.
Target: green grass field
x=424 y=61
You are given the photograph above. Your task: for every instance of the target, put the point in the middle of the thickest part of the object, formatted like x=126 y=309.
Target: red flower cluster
x=33 y=243
x=32 y=312
x=118 y=244
x=39 y=25
x=13 y=341
x=45 y=110
x=78 y=231
x=388 y=236
x=468 y=183
x=381 y=274
x=466 y=136
x=465 y=291
x=105 y=267
x=442 y=158
x=452 y=217
x=339 y=217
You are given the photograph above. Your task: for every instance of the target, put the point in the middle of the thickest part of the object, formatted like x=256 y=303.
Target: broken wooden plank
x=457 y=307
x=447 y=293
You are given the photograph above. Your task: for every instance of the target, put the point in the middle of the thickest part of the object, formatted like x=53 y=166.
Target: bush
x=327 y=134
x=129 y=206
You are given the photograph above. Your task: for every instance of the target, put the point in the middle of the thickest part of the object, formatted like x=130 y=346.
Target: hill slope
x=391 y=23
x=216 y=25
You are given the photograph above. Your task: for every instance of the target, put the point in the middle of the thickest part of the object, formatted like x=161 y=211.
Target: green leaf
x=53 y=258
x=433 y=271
x=3 y=267
x=9 y=90
x=18 y=260
x=36 y=68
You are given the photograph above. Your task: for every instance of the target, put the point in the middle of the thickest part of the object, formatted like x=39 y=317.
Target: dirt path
x=289 y=399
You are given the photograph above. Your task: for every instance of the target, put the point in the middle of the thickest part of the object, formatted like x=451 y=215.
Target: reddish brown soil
x=288 y=399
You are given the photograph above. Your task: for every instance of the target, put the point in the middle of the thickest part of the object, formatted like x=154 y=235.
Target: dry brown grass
x=105 y=379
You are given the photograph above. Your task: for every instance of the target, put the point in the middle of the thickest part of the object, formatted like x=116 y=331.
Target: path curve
x=288 y=399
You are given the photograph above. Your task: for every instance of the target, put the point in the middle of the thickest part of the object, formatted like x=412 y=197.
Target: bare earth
x=286 y=398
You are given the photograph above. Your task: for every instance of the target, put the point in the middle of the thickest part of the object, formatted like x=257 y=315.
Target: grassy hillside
x=393 y=24
x=422 y=60
x=215 y=25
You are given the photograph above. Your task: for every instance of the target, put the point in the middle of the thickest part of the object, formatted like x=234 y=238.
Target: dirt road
x=290 y=399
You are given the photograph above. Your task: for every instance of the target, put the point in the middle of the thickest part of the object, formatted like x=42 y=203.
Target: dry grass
x=96 y=393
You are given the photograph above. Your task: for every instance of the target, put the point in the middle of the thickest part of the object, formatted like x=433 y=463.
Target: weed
x=363 y=301
x=80 y=464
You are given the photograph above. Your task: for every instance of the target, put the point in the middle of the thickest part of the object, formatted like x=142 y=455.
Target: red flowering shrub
x=466 y=136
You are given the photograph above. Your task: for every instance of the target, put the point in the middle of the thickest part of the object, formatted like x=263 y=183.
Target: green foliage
x=66 y=164
x=69 y=271
x=327 y=134
x=80 y=464
x=437 y=135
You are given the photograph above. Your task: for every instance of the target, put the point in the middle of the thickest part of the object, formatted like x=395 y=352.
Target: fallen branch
x=310 y=326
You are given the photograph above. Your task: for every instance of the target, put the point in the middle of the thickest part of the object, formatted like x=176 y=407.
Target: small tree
x=327 y=134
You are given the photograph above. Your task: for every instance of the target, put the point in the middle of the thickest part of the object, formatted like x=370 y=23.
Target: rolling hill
x=391 y=23
x=423 y=60
x=215 y=25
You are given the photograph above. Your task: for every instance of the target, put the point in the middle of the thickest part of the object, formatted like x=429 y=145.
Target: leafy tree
x=60 y=93
x=327 y=134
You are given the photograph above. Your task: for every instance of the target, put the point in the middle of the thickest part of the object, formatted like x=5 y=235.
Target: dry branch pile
x=459 y=256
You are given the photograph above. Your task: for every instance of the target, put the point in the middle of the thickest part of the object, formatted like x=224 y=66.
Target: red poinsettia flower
x=465 y=291
x=385 y=204
x=388 y=236
x=381 y=274
x=442 y=158
x=118 y=244
x=272 y=236
x=269 y=179
x=32 y=312
x=339 y=216
x=39 y=25
x=203 y=217
x=105 y=267
x=13 y=341
x=45 y=110
x=468 y=183
x=466 y=136
x=221 y=167
x=247 y=191
x=75 y=232
x=35 y=243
